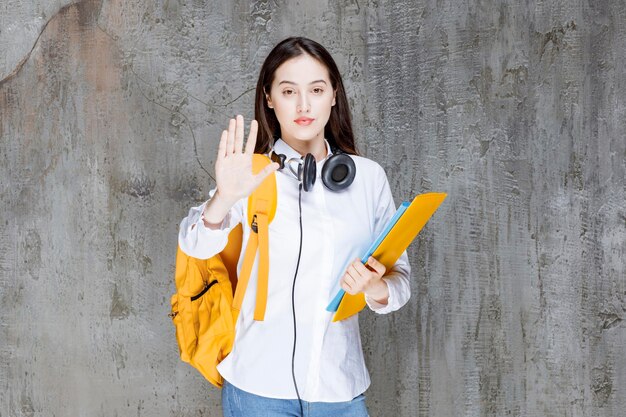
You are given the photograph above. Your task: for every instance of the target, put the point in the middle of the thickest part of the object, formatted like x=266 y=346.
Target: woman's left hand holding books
x=367 y=279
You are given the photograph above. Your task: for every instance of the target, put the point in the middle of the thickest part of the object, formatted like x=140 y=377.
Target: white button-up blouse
x=337 y=228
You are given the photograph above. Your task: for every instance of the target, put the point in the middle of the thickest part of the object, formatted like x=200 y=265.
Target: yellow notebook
x=394 y=244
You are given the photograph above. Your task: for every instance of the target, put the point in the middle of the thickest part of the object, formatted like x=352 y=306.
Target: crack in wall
x=215 y=106
x=186 y=119
x=195 y=146
x=21 y=64
x=186 y=93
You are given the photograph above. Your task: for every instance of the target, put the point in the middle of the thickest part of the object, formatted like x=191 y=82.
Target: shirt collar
x=280 y=146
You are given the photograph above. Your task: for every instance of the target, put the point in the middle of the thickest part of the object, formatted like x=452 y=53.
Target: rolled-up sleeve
x=197 y=240
x=397 y=277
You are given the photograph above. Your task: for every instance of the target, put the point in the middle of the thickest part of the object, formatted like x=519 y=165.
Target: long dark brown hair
x=338 y=130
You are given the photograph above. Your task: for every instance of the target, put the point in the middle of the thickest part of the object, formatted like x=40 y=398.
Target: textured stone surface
x=109 y=118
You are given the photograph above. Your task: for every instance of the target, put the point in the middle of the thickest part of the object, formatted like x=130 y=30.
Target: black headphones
x=337 y=174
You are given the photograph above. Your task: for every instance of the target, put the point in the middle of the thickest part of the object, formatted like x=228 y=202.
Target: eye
x=288 y=92
x=318 y=90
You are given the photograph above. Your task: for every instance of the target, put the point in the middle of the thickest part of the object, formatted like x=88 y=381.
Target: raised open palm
x=233 y=167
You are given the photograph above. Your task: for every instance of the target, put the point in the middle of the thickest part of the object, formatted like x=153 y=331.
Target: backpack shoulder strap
x=261 y=211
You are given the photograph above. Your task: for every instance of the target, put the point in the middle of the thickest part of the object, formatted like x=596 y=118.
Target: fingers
x=348 y=284
x=230 y=143
x=359 y=276
x=377 y=266
x=221 y=150
x=239 y=133
x=269 y=169
x=265 y=172
x=251 y=143
x=353 y=271
x=372 y=266
x=350 y=281
x=233 y=137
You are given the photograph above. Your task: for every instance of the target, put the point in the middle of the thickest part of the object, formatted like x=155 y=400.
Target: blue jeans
x=239 y=403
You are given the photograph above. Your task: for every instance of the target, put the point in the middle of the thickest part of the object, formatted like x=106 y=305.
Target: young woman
x=332 y=203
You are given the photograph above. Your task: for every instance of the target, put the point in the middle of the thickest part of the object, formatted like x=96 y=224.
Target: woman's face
x=302 y=97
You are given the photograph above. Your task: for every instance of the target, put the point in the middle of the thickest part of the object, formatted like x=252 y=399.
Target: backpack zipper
x=195 y=297
x=206 y=288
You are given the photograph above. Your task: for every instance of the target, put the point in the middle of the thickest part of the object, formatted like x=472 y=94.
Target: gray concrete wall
x=109 y=118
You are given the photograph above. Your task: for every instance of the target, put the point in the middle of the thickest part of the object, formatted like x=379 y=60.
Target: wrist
x=215 y=210
x=378 y=291
x=213 y=225
x=223 y=200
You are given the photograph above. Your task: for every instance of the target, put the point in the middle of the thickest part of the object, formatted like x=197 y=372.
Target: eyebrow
x=292 y=83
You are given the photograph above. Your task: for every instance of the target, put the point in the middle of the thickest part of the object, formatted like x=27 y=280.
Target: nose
x=303 y=104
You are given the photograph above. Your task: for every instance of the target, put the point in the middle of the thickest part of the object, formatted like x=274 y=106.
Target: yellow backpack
x=209 y=293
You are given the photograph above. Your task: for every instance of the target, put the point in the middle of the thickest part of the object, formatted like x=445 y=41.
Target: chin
x=306 y=136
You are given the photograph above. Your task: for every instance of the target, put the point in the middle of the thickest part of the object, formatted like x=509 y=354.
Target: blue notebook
x=334 y=304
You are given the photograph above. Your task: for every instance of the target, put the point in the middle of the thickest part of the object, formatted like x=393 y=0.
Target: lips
x=304 y=121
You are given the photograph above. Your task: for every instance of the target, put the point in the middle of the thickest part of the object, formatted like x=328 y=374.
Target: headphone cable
x=293 y=307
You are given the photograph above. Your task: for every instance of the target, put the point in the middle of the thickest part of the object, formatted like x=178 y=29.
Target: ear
x=269 y=101
x=334 y=97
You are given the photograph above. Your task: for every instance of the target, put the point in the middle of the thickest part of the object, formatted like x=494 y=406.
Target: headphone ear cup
x=338 y=172
x=307 y=172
